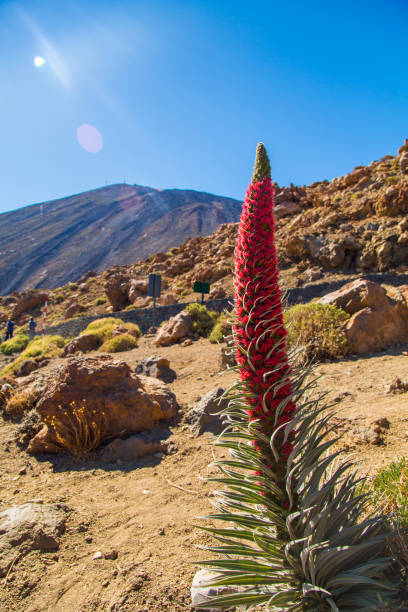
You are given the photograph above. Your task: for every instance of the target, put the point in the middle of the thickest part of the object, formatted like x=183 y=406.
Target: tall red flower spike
x=259 y=330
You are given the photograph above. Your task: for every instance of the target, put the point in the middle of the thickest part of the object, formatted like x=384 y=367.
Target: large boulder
x=117 y=291
x=204 y=417
x=118 y=401
x=83 y=344
x=356 y=295
x=137 y=288
x=28 y=527
x=174 y=329
x=379 y=319
x=26 y=303
x=286 y=209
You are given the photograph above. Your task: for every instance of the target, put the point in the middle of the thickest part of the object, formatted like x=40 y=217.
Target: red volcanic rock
x=378 y=320
x=120 y=402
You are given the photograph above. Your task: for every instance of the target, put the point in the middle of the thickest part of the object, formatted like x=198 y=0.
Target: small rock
x=88 y=540
x=97 y=555
x=22 y=472
x=161 y=531
x=111 y=555
x=105 y=583
x=203 y=416
x=382 y=423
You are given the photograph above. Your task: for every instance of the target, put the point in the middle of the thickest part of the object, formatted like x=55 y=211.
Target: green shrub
x=58 y=298
x=123 y=342
x=14 y=345
x=221 y=330
x=47 y=346
x=99 y=301
x=391 y=180
x=319 y=327
x=204 y=320
x=390 y=490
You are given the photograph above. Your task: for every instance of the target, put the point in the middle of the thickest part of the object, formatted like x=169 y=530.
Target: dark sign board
x=154 y=286
x=201 y=287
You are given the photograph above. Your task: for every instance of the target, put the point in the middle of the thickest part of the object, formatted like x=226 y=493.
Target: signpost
x=202 y=288
x=153 y=290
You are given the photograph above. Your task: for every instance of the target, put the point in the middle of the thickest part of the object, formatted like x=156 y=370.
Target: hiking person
x=9 y=329
x=31 y=327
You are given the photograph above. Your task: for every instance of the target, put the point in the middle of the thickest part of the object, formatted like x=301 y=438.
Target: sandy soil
x=138 y=509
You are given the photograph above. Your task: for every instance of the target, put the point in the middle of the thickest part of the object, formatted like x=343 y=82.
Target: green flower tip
x=262 y=167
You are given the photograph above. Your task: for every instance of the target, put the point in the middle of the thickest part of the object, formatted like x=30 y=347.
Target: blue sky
x=182 y=91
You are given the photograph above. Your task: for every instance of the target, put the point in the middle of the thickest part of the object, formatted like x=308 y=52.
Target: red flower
x=260 y=333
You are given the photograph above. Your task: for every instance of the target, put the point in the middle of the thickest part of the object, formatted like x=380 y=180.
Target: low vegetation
x=47 y=346
x=18 y=404
x=204 y=320
x=221 y=330
x=103 y=330
x=122 y=342
x=14 y=345
x=390 y=490
x=76 y=430
x=319 y=328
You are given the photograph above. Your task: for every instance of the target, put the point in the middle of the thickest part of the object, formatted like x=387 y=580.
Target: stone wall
x=143 y=317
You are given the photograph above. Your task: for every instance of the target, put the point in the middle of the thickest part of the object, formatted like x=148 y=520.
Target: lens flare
x=89 y=137
x=39 y=61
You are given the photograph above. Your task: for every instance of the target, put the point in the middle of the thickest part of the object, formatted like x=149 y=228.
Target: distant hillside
x=47 y=245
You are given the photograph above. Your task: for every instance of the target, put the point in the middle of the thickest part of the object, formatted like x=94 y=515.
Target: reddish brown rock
x=72 y=309
x=85 y=343
x=27 y=302
x=136 y=288
x=174 y=329
x=121 y=403
x=286 y=209
x=117 y=288
x=378 y=320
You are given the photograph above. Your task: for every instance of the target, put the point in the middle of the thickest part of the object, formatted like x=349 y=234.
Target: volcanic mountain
x=46 y=245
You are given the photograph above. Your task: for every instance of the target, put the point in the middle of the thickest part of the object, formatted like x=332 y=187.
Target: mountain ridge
x=41 y=245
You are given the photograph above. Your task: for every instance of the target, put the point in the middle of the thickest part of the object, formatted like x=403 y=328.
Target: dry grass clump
x=40 y=346
x=123 y=342
x=18 y=404
x=319 y=328
x=76 y=430
x=103 y=328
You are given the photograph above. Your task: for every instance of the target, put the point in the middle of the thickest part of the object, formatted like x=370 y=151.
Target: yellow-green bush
x=319 y=328
x=221 y=330
x=47 y=346
x=123 y=342
x=103 y=328
x=14 y=345
x=204 y=320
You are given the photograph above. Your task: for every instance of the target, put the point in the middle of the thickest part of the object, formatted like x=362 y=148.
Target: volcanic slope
x=47 y=245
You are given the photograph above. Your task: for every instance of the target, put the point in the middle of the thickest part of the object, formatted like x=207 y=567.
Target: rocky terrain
x=49 y=244
x=326 y=231
x=104 y=457
x=118 y=530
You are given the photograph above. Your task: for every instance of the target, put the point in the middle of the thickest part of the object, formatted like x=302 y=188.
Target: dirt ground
x=148 y=511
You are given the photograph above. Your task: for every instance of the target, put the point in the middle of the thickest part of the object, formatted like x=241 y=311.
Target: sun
x=39 y=61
